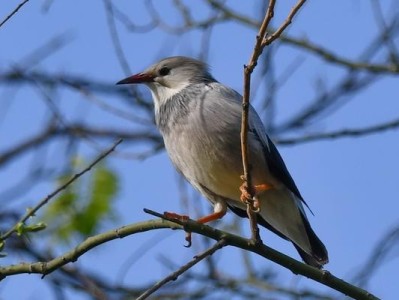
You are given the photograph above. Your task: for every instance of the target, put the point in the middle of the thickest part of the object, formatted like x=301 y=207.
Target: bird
x=199 y=119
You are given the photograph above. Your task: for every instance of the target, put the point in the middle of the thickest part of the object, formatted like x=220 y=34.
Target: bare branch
x=261 y=42
x=379 y=255
x=296 y=267
x=276 y=34
x=173 y=276
x=341 y=133
x=45 y=268
x=311 y=47
x=13 y=12
x=80 y=130
x=44 y=201
x=120 y=54
x=248 y=69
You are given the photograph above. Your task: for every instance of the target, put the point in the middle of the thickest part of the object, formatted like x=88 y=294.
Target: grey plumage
x=200 y=121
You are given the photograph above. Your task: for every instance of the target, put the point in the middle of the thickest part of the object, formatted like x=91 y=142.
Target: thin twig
x=115 y=37
x=261 y=42
x=275 y=35
x=341 y=133
x=78 y=130
x=307 y=45
x=173 y=276
x=248 y=69
x=44 y=201
x=13 y=12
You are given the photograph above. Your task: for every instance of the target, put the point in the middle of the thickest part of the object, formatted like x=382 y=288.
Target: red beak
x=138 y=78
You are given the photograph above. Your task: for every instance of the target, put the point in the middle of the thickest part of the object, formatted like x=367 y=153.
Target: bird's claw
x=181 y=218
x=247 y=198
x=188 y=239
x=247 y=192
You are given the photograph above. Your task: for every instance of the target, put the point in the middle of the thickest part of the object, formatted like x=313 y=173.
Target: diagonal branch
x=342 y=133
x=31 y=212
x=79 y=130
x=173 y=276
x=275 y=35
x=322 y=276
x=13 y=12
x=310 y=46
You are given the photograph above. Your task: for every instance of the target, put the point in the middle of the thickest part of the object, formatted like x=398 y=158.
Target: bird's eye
x=164 y=71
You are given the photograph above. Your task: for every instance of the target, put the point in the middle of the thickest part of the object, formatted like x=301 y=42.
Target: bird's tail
x=319 y=255
x=283 y=213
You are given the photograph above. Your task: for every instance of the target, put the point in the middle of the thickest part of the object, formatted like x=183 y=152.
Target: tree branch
x=80 y=130
x=31 y=212
x=261 y=42
x=173 y=276
x=13 y=12
x=296 y=267
x=311 y=47
x=324 y=277
x=341 y=133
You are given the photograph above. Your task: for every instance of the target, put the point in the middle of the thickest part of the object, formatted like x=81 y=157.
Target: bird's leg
x=250 y=194
x=219 y=210
x=212 y=217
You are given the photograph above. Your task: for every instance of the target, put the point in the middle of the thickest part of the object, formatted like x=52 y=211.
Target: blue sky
x=350 y=183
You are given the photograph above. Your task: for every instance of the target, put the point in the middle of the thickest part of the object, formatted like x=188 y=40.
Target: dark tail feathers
x=319 y=255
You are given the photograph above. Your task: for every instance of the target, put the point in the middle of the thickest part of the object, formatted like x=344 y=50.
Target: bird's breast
x=207 y=158
x=202 y=137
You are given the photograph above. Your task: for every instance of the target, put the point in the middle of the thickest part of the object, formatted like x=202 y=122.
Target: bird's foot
x=188 y=239
x=249 y=195
x=172 y=215
x=181 y=218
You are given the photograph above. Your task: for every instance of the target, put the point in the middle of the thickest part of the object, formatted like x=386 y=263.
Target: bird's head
x=171 y=75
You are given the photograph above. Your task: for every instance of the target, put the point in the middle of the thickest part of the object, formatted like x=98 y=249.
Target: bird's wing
x=273 y=158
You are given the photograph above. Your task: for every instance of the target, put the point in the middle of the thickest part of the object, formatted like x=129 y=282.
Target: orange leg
x=260 y=188
x=205 y=219
x=212 y=217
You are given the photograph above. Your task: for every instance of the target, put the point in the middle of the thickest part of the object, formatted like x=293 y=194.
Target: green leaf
x=35 y=227
x=22 y=228
x=84 y=205
x=2 y=245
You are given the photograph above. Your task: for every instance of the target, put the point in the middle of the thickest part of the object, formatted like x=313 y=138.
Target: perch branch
x=262 y=40
x=324 y=277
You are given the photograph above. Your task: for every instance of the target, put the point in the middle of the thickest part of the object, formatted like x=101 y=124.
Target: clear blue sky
x=350 y=184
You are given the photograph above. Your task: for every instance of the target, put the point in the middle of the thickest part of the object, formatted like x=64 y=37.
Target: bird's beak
x=138 y=78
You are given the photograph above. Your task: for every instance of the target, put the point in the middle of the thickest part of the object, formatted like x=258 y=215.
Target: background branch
x=32 y=211
x=317 y=81
x=13 y=12
x=173 y=276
